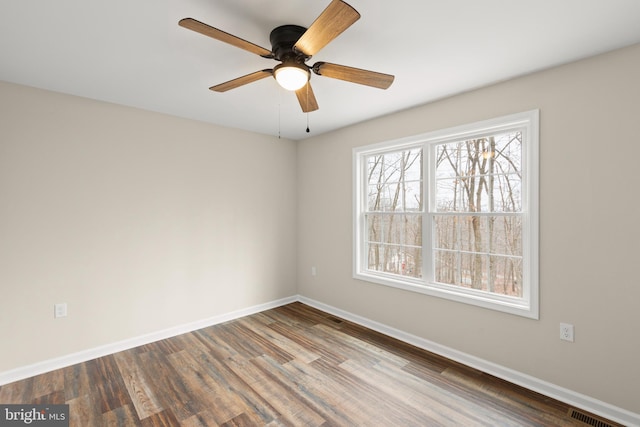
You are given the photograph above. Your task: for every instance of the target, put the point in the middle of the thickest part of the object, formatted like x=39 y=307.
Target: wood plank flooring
x=289 y=366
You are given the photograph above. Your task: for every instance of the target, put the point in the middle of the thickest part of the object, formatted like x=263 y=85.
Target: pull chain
x=307 y=107
x=279 y=114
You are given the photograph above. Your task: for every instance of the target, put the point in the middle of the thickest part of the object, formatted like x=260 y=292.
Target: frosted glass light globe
x=291 y=76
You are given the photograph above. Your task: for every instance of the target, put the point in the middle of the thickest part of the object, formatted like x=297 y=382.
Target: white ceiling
x=133 y=52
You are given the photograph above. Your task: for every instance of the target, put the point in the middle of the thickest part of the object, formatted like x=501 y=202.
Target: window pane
x=451 y=159
x=446 y=267
x=469 y=242
x=449 y=196
x=395 y=166
x=376 y=257
x=474 y=233
x=446 y=232
x=402 y=229
x=375 y=228
x=507 y=194
x=412 y=196
x=405 y=229
x=505 y=233
x=507 y=153
x=484 y=234
x=394 y=212
x=501 y=275
x=413 y=169
x=480 y=175
x=413 y=257
x=506 y=275
x=493 y=193
x=394 y=181
x=474 y=271
x=383 y=198
x=400 y=260
x=399 y=196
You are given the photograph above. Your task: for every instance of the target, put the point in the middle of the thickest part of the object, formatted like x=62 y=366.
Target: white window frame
x=528 y=304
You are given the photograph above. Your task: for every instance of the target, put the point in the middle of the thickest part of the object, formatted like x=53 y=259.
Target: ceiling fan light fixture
x=293 y=46
x=291 y=75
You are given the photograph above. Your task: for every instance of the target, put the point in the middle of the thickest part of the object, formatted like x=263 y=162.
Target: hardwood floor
x=292 y=366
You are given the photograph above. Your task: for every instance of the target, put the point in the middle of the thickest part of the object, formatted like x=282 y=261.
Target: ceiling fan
x=293 y=46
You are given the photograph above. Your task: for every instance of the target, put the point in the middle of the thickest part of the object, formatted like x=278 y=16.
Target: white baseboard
x=562 y=394
x=93 y=353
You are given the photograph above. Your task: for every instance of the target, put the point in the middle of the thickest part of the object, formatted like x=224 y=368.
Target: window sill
x=505 y=304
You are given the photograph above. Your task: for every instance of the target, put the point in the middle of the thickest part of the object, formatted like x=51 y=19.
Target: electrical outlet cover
x=566 y=332
x=60 y=310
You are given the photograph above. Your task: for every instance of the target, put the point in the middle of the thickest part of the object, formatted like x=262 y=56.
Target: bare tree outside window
x=394 y=212
x=477 y=222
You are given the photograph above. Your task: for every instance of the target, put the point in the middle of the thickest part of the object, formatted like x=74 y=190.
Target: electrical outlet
x=566 y=332
x=60 y=310
x=314 y=271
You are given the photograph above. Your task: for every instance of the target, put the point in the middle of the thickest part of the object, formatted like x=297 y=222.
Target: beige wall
x=589 y=229
x=137 y=220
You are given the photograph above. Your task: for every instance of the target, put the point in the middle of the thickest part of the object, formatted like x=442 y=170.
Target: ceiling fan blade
x=202 y=28
x=336 y=18
x=353 y=75
x=307 y=99
x=241 y=81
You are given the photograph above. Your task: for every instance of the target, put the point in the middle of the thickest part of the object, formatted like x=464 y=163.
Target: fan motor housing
x=283 y=38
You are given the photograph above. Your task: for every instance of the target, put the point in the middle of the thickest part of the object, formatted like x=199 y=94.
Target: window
x=453 y=213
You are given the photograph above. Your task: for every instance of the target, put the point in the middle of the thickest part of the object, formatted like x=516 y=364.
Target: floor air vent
x=589 y=419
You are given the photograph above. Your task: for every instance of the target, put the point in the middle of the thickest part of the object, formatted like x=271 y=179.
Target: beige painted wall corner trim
x=89 y=354
x=562 y=394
